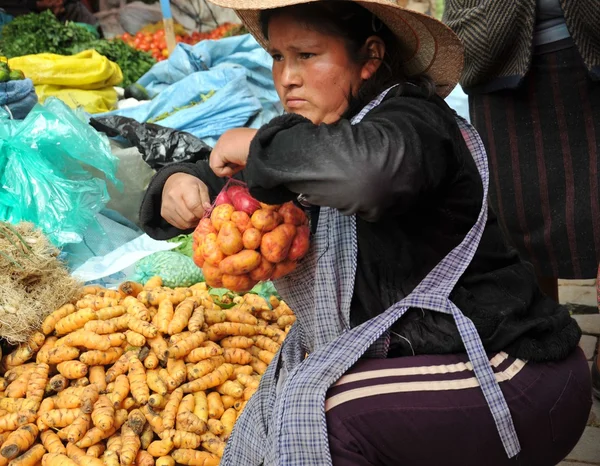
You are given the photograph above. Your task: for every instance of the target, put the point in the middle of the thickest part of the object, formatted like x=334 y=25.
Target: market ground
x=587 y=451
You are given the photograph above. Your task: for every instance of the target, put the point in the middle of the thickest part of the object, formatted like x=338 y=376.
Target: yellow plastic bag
x=92 y=101
x=86 y=70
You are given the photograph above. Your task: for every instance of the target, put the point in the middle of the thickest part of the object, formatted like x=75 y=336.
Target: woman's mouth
x=294 y=102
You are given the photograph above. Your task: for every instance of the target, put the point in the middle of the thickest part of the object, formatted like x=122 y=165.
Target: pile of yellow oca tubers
x=142 y=375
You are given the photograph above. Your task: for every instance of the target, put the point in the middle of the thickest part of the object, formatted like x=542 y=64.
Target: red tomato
x=126 y=36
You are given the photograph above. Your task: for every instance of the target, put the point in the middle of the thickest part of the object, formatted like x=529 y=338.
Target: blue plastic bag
x=237 y=69
x=45 y=177
x=18 y=97
x=231 y=106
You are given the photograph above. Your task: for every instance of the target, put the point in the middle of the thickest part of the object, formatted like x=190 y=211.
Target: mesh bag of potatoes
x=142 y=375
x=242 y=242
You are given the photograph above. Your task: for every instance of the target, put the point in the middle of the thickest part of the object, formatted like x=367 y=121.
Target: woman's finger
x=204 y=196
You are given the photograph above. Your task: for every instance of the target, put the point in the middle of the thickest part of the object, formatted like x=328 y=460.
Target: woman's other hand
x=231 y=151
x=184 y=200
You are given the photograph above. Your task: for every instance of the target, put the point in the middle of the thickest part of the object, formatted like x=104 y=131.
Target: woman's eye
x=277 y=57
x=306 y=56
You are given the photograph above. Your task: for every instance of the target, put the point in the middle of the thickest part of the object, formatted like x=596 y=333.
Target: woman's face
x=313 y=72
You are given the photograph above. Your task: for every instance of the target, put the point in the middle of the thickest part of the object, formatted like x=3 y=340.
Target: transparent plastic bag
x=241 y=242
x=44 y=172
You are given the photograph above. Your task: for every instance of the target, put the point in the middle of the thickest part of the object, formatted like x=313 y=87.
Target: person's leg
x=429 y=410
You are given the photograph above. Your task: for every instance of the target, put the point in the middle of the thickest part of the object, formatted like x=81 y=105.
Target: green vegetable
x=133 y=63
x=265 y=290
x=186 y=244
x=222 y=297
x=16 y=75
x=174 y=268
x=4 y=66
x=38 y=33
x=4 y=76
x=136 y=91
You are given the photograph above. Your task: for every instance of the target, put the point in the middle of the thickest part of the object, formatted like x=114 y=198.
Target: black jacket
x=407 y=174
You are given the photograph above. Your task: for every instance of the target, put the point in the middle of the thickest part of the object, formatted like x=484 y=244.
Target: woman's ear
x=375 y=51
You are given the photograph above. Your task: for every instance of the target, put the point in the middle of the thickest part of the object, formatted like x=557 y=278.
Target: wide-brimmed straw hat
x=428 y=46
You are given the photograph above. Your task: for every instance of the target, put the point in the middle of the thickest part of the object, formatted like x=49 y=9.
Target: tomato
x=162 y=43
x=126 y=36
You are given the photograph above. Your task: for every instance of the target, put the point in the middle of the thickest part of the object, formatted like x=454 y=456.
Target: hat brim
x=427 y=45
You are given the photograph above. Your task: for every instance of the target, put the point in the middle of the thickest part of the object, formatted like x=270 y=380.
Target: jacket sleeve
x=398 y=152
x=492 y=32
x=150 y=219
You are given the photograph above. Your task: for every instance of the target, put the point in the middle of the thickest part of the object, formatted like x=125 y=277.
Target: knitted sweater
x=498 y=37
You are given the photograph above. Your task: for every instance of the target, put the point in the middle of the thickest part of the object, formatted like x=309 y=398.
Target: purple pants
x=429 y=411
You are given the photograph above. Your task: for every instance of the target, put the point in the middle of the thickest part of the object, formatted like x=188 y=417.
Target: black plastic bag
x=159 y=145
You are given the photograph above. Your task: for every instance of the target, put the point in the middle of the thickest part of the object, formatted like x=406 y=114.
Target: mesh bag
x=241 y=242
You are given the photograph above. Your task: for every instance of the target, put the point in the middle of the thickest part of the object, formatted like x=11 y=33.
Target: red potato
x=211 y=251
x=241 y=220
x=300 y=244
x=242 y=200
x=212 y=275
x=241 y=263
x=229 y=239
x=265 y=220
x=292 y=214
x=220 y=214
x=222 y=198
x=238 y=283
x=263 y=272
x=251 y=238
x=276 y=244
x=283 y=268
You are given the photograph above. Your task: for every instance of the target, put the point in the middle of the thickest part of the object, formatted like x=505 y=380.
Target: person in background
x=533 y=81
x=64 y=10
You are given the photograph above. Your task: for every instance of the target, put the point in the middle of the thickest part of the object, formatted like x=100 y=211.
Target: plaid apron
x=284 y=422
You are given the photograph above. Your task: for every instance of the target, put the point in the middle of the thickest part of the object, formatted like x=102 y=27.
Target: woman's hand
x=184 y=200
x=231 y=151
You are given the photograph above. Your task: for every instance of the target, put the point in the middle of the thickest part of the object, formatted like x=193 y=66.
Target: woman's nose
x=291 y=76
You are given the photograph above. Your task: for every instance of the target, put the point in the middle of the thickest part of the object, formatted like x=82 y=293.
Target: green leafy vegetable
x=39 y=33
x=42 y=33
x=186 y=244
x=222 y=297
x=265 y=290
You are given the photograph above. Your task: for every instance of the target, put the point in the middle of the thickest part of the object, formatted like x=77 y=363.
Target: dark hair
x=355 y=25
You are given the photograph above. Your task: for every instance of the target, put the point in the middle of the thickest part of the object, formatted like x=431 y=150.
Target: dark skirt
x=543 y=144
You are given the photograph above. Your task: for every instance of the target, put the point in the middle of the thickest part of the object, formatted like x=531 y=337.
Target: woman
x=395 y=199
x=534 y=77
